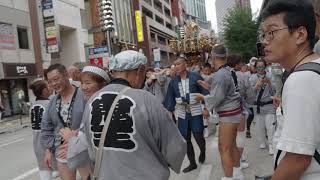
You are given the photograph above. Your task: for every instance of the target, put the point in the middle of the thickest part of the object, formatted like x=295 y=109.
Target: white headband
x=218 y=55
x=37 y=79
x=98 y=71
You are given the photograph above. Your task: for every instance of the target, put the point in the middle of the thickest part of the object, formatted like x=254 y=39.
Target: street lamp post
x=106 y=20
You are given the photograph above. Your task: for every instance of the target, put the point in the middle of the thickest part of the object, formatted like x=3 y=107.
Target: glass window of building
x=23 y=38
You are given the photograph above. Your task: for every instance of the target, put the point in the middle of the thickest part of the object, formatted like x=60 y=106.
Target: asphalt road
x=16 y=154
x=18 y=160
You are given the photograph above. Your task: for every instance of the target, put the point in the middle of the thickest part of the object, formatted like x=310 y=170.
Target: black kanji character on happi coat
x=121 y=129
x=36 y=116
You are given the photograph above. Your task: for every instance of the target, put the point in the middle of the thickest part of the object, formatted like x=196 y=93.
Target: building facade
x=17 y=59
x=124 y=33
x=223 y=6
x=196 y=11
x=196 y=8
x=244 y=3
x=70 y=29
x=178 y=9
x=159 y=27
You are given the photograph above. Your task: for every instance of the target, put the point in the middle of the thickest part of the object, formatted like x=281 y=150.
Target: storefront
x=14 y=86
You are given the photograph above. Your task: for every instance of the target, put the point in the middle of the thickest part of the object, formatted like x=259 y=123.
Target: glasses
x=268 y=36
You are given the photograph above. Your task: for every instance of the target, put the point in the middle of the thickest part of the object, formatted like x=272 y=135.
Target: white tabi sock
x=226 y=178
x=45 y=175
x=237 y=173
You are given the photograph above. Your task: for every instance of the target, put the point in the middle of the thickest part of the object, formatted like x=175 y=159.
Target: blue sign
x=47 y=4
x=98 y=50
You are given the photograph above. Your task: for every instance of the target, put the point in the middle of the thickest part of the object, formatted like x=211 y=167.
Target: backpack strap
x=310 y=66
x=317 y=156
x=277 y=159
x=99 y=153
x=259 y=99
x=235 y=80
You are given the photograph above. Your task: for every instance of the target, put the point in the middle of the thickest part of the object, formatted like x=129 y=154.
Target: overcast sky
x=211 y=13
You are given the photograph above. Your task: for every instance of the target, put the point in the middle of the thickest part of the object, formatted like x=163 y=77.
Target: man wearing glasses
x=288 y=33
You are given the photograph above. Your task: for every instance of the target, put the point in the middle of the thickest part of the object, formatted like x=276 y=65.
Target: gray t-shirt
x=142 y=141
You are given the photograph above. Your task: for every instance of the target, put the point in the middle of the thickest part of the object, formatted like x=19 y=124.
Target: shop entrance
x=14 y=94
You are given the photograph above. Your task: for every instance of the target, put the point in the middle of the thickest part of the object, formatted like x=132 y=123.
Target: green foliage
x=240 y=33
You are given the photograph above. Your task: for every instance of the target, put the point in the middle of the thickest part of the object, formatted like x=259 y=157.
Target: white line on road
x=26 y=174
x=11 y=137
x=15 y=141
x=205 y=172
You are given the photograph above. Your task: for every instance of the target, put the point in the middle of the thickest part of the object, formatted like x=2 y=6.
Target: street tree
x=240 y=32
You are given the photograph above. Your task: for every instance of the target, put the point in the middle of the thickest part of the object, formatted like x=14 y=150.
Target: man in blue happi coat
x=180 y=98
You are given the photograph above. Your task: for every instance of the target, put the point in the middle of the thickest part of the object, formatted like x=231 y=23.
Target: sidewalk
x=14 y=123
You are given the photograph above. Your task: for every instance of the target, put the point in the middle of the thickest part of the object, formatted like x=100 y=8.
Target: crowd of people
x=135 y=122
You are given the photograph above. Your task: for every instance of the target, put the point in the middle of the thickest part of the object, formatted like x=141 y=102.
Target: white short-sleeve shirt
x=301 y=120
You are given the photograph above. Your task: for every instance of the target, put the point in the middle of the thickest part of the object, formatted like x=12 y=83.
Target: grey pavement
x=261 y=163
x=20 y=164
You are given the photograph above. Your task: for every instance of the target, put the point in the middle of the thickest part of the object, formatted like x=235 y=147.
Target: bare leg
x=236 y=155
x=65 y=172
x=84 y=171
x=241 y=128
x=227 y=145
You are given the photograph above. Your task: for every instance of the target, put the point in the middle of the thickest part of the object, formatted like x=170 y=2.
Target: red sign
x=52 y=41
x=96 y=61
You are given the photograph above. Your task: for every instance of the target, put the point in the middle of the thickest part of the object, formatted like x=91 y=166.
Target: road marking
x=15 y=141
x=205 y=172
x=26 y=174
x=13 y=136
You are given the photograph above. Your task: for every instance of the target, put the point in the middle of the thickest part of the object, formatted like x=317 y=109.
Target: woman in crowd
x=42 y=92
x=265 y=111
x=92 y=80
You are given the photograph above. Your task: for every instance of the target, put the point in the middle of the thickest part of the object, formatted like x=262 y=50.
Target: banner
x=6 y=37
x=139 y=26
x=51 y=32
